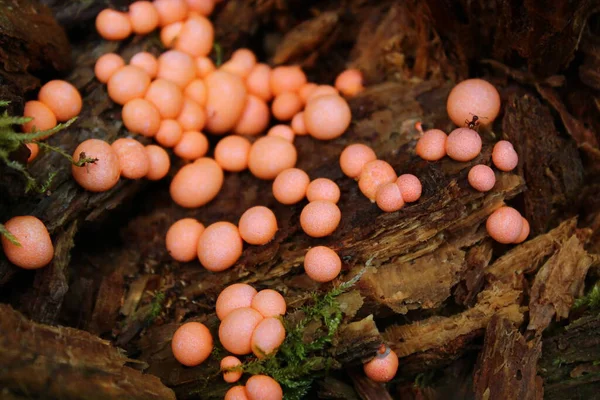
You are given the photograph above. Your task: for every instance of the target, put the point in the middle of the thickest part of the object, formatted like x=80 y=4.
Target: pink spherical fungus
x=505 y=225
x=473 y=97
x=482 y=178
x=432 y=145
x=463 y=144
x=410 y=187
x=504 y=156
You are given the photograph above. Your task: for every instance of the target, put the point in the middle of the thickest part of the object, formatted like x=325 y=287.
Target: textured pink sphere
x=504 y=156
x=482 y=178
x=473 y=97
x=432 y=145
x=463 y=144
x=505 y=225
x=410 y=187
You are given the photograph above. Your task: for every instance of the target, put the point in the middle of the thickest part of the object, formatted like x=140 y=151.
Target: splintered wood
x=63 y=363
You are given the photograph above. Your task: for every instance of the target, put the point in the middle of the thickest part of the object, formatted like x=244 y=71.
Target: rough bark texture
x=434 y=286
x=66 y=363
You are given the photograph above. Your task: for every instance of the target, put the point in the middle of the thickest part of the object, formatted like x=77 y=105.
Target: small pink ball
x=389 y=197
x=432 y=145
x=463 y=144
x=410 y=187
x=505 y=225
x=504 y=156
x=482 y=178
x=473 y=97
x=524 y=232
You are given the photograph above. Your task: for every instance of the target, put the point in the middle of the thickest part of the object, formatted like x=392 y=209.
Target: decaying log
x=569 y=363
x=40 y=361
x=507 y=364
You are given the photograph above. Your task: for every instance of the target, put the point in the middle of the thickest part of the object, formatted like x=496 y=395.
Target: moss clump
x=299 y=361
x=591 y=300
x=10 y=141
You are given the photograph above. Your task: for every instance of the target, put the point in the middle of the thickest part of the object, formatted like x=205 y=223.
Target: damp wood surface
x=469 y=318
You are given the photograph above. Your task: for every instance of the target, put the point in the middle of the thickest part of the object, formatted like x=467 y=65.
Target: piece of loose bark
x=558 y=282
x=550 y=164
x=366 y=388
x=507 y=365
x=56 y=362
x=472 y=279
x=437 y=331
x=566 y=353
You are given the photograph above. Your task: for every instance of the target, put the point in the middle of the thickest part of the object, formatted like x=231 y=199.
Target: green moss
x=298 y=362
x=11 y=140
x=218 y=54
x=591 y=300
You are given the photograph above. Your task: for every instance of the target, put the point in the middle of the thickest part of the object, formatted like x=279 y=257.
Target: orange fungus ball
x=203 y=7
x=241 y=63
x=128 y=83
x=320 y=218
x=373 y=175
x=102 y=174
x=286 y=79
x=322 y=264
x=298 y=125
x=228 y=363
x=236 y=393
x=107 y=65
x=113 y=25
x=410 y=187
x=504 y=156
x=62 y=98
x=169 y=33
x=169 y=133
x=389 y=198
x=235 y=331
x=524 y=232
x=159 y=162
x=42 y=117
x=192 y=116
x=323 y=189
x=143 y=17
x=234 y=296
x=196 y=184
x=270 y=155
x=306 y=90
x=432 y=145
x=267 y=337
x=262 y=387
x=482 y=178
x=383 y=367
x=286 y=105
x=504 y=225
x=141 y=116
x=255 y=117
x=322 y=90
x=354 y=158
x=170 y=11
x=196 y=37
x=327 y=117
x=232 y=153
x=463 y=144
x=35 y=250
x=350 y=82
x=258 y=82
x=204 y=67
x=473 y=97
x=196 y=90
x=166 y=96
x=182 y=239
x=289 y=187
x=258 y=225
x=269 y=303
x=145 y=61
x=133 y=158
x=225 y=101
x=34 y=149
x=220 y=246
x=177 y=67
x=192 y=344
x=282 y=131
